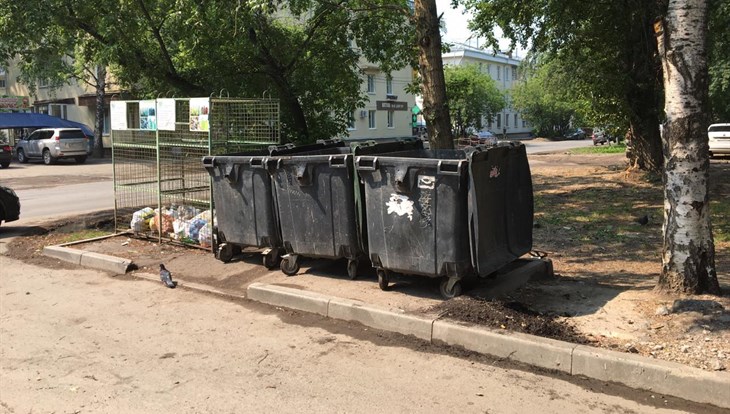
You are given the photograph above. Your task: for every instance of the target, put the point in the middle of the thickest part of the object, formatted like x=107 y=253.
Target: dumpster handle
x=367 y=164
x=256 y=162
x=449 y=168
x=338 y=161
x=208 y=163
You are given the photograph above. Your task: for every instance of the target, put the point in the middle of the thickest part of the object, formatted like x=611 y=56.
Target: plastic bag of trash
x=140 y=219
x=162 y=223
x=193 y=228
x=205 y=236
x=178 y=229
x=187 y=212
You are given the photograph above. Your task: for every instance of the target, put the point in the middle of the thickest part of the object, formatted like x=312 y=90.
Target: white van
x=719 y=135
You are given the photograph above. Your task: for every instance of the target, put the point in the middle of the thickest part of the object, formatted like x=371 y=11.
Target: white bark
x=688 y=264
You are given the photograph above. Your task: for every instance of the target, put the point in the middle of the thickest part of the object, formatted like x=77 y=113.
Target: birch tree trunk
x=688 y=255
x=99 y=124
x=431 y=68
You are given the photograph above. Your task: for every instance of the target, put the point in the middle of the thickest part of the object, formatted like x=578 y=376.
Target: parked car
x=603 y=136
x=719 y=138
x=52 y=144
x=576 y=134
x=6 y=155
x=484 y=137
x=9 y=205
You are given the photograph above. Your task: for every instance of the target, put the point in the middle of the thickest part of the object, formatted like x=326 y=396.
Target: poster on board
x=199 y=108
x=118 y=115
x=166 y=114
x=147 y=115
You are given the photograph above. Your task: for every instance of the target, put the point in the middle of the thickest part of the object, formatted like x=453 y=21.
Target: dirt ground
x=586 y=213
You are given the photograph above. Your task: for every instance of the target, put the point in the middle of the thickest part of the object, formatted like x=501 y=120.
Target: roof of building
x=462 y=50
x=11 y=120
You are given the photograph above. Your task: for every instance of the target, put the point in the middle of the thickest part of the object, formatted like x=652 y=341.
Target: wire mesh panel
x=160 y=186
x=243 y=124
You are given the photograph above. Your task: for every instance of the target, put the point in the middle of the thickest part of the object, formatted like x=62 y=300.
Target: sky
x=456 y=22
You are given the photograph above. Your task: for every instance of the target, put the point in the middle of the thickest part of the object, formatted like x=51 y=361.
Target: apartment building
x=504 y=69
x=74 y=101
x=387 y=114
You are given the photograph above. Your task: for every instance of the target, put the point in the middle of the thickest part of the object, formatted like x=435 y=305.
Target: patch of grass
x=720 y=211
x=603 y=149
x=83 y=235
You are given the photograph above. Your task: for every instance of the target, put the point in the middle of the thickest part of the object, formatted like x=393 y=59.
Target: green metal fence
x=158 y=172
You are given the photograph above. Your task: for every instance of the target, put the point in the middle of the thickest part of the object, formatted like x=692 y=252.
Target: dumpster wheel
x=352 y=269
x=450 y=288
x=383 y=279
x=272 y=258
x=225 y=252
x=290 y=264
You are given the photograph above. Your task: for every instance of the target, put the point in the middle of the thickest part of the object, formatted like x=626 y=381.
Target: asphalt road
x=67 y=189
x=79 y=340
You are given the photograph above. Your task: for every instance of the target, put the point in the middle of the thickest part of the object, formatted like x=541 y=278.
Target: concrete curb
x=89 y=259
x=632 y=370
x=528 y=349
x=663 y=377
x=635 y=371
x=63 y=253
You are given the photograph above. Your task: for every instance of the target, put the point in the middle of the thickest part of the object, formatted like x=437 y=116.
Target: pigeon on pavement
x=166 y=277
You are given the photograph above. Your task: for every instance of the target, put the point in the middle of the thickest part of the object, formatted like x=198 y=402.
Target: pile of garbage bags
x=183 y=223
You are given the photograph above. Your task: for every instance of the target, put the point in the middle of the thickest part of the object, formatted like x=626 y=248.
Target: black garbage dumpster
x=447 y=213
x=243 y=200
x=319 y=206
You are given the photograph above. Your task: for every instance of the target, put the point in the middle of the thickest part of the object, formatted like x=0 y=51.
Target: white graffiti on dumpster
x=400 y=205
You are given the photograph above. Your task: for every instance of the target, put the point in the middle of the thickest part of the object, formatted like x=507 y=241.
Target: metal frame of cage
x=162 y=169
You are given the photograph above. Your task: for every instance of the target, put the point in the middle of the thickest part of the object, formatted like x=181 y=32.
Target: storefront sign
x=391 y=106
x=14 y=102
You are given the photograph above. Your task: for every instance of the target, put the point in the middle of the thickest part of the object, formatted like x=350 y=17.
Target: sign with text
x=14 y=102
x=391 y=106
x=166 y=114
x=118 y=112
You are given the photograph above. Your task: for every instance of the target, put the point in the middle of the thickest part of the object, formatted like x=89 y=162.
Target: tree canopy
x=548 y=99
x=473 y=96
x=300 y=51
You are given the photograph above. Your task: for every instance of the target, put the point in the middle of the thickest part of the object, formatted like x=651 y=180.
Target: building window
x=499 y=72
x=389 y=85
x=515 y=120
x=371 y=83
x=43 y=83
x=489 y=69
x=391 y=119
x=481 y=69
x=107 y=122
x=57 y=110
x=2 y=83
x=371 y=119
x=351 y=121
x=506 y=73
x=499 y=120
x=524 y=124
x=490 y=123
x=506 y=120
x=514 y=74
